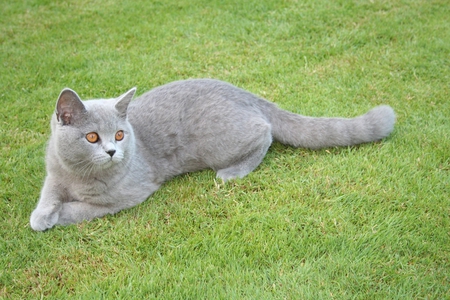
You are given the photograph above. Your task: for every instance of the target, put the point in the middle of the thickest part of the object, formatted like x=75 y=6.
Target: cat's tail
x=314 y=133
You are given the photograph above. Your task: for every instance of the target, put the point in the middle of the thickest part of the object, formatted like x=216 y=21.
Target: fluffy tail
x=314 y=133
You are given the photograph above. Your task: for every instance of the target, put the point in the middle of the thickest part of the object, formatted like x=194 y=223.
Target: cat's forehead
x=102 y=112
x=99 y=103
x=101 y=107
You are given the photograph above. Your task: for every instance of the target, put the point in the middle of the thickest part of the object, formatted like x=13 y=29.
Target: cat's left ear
x=123 y=101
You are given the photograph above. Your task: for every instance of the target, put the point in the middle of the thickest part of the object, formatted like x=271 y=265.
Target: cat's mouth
x=111 y=161
x=105 y=162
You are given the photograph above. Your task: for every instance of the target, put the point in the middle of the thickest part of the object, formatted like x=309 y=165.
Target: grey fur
x=180 y=127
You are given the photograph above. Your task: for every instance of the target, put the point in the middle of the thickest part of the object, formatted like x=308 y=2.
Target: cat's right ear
x=68 y=107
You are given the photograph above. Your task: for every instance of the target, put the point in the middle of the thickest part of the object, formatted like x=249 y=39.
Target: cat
x=107 y=155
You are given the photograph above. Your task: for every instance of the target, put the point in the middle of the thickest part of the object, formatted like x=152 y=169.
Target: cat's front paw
x=42 y=219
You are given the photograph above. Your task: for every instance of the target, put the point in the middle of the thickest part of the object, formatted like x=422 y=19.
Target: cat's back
x=188 y=102
x=189 y=92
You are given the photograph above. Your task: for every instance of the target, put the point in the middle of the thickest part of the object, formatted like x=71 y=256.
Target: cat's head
x=92 y=136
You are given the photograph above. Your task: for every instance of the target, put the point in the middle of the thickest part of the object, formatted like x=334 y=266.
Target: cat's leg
x=249 y=158
x=46 y=213
x=243 y=167
x=76 y=211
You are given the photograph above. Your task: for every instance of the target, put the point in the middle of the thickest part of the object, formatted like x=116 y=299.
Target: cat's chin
x=108 y=163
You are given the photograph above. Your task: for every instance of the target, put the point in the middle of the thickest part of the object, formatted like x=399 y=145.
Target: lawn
x=366 y=222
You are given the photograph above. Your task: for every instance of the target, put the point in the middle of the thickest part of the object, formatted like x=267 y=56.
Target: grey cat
x=107 y=155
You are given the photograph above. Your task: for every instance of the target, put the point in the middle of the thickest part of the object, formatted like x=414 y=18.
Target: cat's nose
x=111 y=152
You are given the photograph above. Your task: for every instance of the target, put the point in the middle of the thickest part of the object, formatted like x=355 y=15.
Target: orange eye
x=119 y=135
x=92 y=137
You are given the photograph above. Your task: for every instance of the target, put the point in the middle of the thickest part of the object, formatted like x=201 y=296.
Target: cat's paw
x=42 y=219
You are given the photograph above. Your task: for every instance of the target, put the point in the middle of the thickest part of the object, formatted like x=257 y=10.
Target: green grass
x=368 y=222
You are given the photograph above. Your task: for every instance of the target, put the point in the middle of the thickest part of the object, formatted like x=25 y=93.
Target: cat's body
x=107 y=155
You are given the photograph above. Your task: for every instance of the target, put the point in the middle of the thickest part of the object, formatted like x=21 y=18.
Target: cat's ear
x=123 y=101
x=68 y=107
